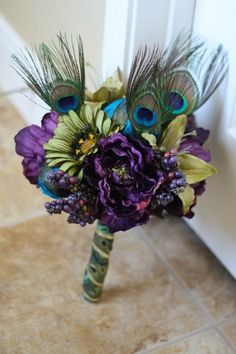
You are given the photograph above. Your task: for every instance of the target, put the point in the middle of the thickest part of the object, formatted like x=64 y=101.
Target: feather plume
x=55 y=72
x=183 y=89
x=142 y=105
x=175 y=81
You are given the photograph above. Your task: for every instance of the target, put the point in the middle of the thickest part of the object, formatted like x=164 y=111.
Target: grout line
x=212 y=322
x=222 y=334
x=226 y=321
x=175 y=340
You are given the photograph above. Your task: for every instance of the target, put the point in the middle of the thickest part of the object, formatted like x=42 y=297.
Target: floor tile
x=196 y=265
x=230 y=331
x=208 y=343
x=21 y=199
x=41 y=309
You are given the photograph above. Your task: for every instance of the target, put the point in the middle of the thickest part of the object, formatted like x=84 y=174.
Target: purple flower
x=29 y=144
x=126 y=177
x=193 y=144
x=49 y=122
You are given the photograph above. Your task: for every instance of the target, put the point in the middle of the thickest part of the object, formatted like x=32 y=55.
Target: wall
x=36 y=21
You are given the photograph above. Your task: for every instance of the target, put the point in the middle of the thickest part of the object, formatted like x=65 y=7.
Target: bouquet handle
x=97 y=267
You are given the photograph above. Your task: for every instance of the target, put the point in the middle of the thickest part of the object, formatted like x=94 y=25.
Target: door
x=139 y=22
x=215 y=219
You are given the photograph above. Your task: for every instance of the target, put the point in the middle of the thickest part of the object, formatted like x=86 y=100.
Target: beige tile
x=230 y=331
x=197 y=266
x=20 y=199
x=41 y=311
x=207 y=343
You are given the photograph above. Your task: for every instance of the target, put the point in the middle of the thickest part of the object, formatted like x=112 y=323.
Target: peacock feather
x=141 y=101
x=165 y=84
x=55 y=73
x=183 y=89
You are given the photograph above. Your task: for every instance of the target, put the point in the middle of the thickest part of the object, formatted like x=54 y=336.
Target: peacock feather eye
x=65 y=97
x=66 y=103
x=144 y=114
x=142 y=101
x=145 y=117
x=176 y=103
x=179 y=93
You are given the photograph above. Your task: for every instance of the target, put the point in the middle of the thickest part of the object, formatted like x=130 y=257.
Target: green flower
x=112 y=89
x=76 y=137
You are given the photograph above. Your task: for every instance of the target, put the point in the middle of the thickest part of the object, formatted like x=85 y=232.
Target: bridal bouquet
x=122 y=153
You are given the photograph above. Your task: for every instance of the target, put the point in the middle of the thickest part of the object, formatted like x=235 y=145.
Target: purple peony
x=124 y=173
x=29 y=144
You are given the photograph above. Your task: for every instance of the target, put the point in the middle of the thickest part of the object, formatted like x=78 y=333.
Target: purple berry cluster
x=81 y=206
x=174 y=181
x=63 y=180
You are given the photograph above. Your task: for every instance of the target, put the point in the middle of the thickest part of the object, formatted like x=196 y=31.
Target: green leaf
x=106 y=126
x=76 y=120
x=173 y=134
x=63 y=132
x=151 y=139
x=187 y=197
x=51 y=155
x=195 y=169
x=117 y=129
x=73 y=127
x=80 y=174
x=72 y=170
x=57 y=145
x=67 y=165
x=88 y=113
x=56 y=162
x=111 y=89
x=99 y=121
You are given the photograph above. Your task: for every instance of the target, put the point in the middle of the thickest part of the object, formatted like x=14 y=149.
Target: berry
x=169 y=162
x=81 y=205
x=174 y=180
x=166 y=155
x=161 y=199
x=81 y=202
x=171 y=175
x=65 y=182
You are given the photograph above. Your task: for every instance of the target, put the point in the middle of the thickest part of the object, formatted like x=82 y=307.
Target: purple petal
x=196 y=150
x=49 y=122
x=31 y=170
x=123 y=223
x=29 y=144
x=27 y=138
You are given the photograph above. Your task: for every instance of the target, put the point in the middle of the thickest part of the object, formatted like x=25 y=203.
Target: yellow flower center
x=86 y=145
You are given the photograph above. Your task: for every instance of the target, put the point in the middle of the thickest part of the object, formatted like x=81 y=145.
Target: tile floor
x=165 y=292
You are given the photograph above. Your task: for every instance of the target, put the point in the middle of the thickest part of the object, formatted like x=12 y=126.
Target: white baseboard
x=11 y=43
